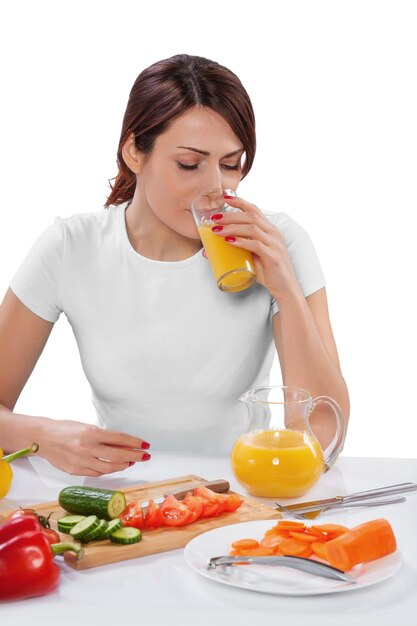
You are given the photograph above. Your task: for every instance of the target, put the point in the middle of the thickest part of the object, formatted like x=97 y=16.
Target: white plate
x=275 y=579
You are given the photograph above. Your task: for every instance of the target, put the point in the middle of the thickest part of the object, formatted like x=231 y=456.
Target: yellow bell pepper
x=6 y=473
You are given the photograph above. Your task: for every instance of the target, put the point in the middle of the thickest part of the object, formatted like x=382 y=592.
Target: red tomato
x=51 y=535
x=174 y=512
x=153 y=517
x=43 y=521
x=132 y=515
x=195 y=505
x=25 y=512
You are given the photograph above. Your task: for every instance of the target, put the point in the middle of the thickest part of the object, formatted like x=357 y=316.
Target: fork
x=337 y=505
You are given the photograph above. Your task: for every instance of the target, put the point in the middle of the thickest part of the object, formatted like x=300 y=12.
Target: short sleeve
x=37 y=281
x=302 y=254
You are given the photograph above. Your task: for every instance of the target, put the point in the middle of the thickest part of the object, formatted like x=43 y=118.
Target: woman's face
x=198 y=151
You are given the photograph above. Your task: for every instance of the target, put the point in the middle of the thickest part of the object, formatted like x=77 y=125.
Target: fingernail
x=228 y=198
x=131 y=463
x=217 y=216
x=145 y=445
x=146 y=457
x=217 y=229
x=230 y=238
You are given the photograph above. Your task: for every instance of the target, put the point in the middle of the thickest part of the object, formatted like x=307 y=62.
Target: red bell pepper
x=27 y=565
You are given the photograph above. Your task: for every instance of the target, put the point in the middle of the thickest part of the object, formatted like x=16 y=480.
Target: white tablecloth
x=162 y=589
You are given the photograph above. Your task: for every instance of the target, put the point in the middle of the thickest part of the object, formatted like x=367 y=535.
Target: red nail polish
x=131 y=463
x=145 y=445
x=217 y=229
x=146 y=457
x=230 y=238
x=228 y=198
x=217 y=216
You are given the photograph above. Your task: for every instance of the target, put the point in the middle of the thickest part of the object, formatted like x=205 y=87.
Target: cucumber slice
x=85 y=527
x=104 y=503
x=98 y=531
x=113 y=525
x=69 y=521
x=126 y=535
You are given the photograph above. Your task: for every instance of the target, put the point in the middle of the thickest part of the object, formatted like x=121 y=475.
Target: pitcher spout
x=245 y=397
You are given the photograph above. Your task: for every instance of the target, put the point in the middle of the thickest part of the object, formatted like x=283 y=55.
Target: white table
x=162 y=589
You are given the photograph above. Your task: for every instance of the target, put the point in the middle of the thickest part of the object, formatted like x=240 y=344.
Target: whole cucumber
x=104 y=503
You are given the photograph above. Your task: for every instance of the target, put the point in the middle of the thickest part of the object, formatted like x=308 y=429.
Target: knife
x=218 y=486
x=353 y=497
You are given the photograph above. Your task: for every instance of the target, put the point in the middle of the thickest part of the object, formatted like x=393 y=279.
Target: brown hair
x=166 y=90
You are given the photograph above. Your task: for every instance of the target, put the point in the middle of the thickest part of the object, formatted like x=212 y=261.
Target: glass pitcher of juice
x=279 y=456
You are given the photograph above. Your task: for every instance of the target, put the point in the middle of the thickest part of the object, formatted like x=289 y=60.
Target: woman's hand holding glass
x=86 y=450
x=251 y=230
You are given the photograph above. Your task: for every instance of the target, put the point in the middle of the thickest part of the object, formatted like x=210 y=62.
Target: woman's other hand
x=86 y=450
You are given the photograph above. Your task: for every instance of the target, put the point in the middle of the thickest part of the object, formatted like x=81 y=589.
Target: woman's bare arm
x=72 y=446
x=308 y=356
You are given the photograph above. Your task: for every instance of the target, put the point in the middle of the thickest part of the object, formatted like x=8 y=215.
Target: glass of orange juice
x=279 y=456
x=233 y=267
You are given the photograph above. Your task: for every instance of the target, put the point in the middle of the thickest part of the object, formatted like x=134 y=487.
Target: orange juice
x=277 y=463
x=233 y=267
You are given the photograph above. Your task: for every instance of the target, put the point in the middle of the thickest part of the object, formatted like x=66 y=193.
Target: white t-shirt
x=167 y=354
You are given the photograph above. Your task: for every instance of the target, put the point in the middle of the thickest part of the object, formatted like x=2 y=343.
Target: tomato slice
x=212 y=505
x=233 y=502
x=132 y=515
x=195 y=505
x=153 y=516
x=174 y=512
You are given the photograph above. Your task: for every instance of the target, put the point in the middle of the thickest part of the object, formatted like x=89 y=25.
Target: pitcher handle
x=340 y=436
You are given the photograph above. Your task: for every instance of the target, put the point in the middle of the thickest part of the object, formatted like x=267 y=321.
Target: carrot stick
x=366 y=542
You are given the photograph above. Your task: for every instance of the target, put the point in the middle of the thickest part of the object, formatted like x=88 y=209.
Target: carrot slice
x=282 y=532
x=273 y=532
x=290 y=525
x=366 y=542
x=271 y=541
x=243 y=544
x=319 y=549
x=329 y=528
x=293 y=547
x=303 y=536
x=260 y=551
x=320 y=536
x=337 y=533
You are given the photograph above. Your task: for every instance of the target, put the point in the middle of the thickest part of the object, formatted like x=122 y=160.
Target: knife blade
x=353 y=497
x=218 y=486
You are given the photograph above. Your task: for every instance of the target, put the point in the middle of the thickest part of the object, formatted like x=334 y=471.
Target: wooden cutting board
x=158 y=540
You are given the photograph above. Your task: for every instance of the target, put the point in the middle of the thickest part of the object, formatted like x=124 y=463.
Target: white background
x=333 y=85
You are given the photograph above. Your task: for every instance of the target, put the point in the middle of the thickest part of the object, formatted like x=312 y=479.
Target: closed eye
x=182 y=166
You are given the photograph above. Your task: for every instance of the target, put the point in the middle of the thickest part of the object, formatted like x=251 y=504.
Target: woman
x=167 y=354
